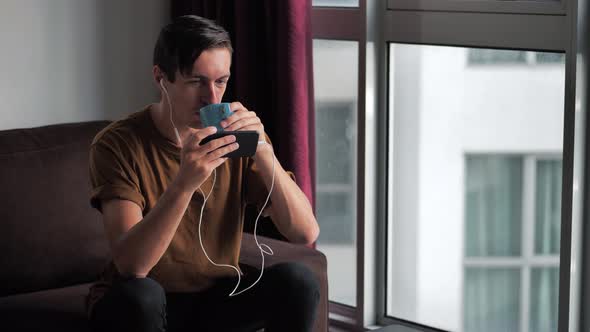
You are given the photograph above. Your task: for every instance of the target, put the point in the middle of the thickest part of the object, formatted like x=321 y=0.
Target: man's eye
x=194 y=81
x=221 y=82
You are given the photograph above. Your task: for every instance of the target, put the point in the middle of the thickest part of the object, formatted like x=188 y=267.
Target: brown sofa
x=52 y=242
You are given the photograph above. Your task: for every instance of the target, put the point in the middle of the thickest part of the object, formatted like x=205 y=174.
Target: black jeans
x=285 y=299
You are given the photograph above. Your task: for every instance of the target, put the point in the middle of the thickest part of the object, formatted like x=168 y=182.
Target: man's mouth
x=197 y=118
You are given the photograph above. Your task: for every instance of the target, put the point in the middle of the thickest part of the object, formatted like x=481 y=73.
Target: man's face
x=205 y=85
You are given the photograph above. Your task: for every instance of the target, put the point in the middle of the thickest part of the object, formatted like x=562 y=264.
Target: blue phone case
x=211 y=115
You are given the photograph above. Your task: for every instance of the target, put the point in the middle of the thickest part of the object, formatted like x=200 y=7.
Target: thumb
x=192 y=133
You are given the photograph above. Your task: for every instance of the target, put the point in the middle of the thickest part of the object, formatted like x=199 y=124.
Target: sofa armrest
x=288 y=252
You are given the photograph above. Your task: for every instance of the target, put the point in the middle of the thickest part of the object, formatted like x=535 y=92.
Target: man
x=150 y=185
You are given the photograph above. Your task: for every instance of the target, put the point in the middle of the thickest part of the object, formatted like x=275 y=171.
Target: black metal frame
x=327 y=24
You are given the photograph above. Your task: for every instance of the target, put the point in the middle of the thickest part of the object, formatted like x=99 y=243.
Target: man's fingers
x=253 y=128
x=196 y=136
x=201 y=134
x=218 y=142
x=222 y=151
x=238 y=112
x=237 y=106
x=244 y=122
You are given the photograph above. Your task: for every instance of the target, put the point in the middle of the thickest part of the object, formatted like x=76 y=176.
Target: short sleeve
x=112 y=176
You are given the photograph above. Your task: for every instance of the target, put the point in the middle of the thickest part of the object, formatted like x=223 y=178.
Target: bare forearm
x=143 y=245
x=291 y=211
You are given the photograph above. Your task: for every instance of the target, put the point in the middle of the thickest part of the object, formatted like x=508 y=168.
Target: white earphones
x=269 y=251
x=170 y=107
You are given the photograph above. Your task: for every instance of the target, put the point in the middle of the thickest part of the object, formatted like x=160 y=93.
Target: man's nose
x=211 y=95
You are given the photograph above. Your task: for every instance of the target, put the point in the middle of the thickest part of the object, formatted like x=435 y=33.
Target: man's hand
x=291 y=211
x=242 y=119
x=197 y=162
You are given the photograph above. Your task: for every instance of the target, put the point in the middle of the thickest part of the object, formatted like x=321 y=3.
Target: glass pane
x=557 y=58
x=492 y=300
x=335 y=141
x=493 y=206
x=336 y=212
x=548 y=207
x=544 y=299
x=461 y=174
x=335 y=81
x=478 y=56
x=335 y=3
x=505 y=57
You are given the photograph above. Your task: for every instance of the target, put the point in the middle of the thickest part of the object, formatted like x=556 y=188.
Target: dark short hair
x=182 y=41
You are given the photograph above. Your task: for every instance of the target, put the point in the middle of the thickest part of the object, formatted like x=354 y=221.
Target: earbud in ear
x=163 y=86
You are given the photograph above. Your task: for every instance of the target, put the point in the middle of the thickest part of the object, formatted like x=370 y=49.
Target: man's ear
x=158 y=74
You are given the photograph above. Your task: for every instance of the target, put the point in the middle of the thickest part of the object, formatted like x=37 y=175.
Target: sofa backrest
x=49 y=235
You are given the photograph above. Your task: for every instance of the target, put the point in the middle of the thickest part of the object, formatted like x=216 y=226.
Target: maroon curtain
x=272 y=72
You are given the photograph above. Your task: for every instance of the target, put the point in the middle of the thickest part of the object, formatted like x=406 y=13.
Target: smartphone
x=247 y=139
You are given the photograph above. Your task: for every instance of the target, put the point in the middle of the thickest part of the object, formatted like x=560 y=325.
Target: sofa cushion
x=63 y=309
x=50 y=237
x=53 y=310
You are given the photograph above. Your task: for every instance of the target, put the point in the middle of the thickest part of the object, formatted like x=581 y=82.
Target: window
x=336 y=140
x=474 y=190
x=483 y=6
x=440 y=82
x=502 y=57
x=511 y=284
x=336 y=144
x=335 y=3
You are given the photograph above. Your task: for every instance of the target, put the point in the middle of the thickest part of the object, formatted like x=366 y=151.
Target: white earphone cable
x=260 y=246
x=170 y=109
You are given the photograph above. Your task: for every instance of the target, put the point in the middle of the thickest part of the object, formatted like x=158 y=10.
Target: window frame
x=466 y=26
x=333 y=5
x=326 y=24
x=524 y=25
x=483 y=6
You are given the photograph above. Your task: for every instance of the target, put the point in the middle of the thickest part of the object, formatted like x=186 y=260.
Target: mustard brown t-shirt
x=131 y=160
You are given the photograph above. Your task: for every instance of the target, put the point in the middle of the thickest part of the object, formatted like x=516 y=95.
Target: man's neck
x=161 y=117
